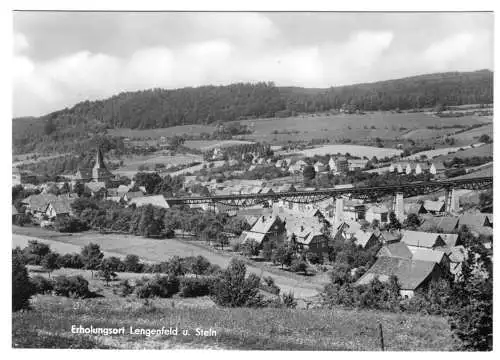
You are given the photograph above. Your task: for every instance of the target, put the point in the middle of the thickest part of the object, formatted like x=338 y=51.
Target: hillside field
x=166 y=132
x=48 y=325
x=354 y=150
x=388 y=125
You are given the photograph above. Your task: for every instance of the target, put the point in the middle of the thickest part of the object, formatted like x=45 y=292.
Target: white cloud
x=20 y=43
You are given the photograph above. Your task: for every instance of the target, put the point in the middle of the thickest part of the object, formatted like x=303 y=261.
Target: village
x=417 y=239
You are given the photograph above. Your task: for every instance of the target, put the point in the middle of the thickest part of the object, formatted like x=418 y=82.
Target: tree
x=35 y=252
x=299 y=265
x=149 y=180
x=234 y=289
x=106 y=271
x=471 y=303
x=485 y=139
x=149 y=224
x=283 y=255
x=222 y=240
x=132 y=263
x=200 y=265
x=250 y=248
x=309 y=172
x=50 y=262
x=91 y=257
x=22 y=288
x=393 y=221
x=412 y=221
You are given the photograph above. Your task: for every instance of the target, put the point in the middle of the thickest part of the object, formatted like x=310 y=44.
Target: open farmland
x=210 y=144
x=472 y=136
x=131 y=163
x=166 y=132
x=485 y=150
x=354 y=150
x=385 y=125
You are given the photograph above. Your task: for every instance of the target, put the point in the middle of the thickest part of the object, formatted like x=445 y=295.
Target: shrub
x=35 y=251
x=70 y=225
x=73 y=286
x=314 y=258
x=299 y=265
x=41 y=285
x=194 y=287
x=22 y=288
x=125 y=288
x=159 y=286
x=269 y=285
x=289 y=300
x=72 y=261
x=232 y=289
x=132 y=264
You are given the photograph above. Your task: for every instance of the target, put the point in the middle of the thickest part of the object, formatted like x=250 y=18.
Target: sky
x=63 y=58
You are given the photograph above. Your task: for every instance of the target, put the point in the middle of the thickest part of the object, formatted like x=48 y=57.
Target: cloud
x=81 y=56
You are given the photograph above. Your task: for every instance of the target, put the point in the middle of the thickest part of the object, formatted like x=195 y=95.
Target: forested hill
x=207 y=104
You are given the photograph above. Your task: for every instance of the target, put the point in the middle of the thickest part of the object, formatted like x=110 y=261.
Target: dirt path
x=156 y=251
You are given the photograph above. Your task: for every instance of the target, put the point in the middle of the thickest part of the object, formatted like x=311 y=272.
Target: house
x=59 y=208
x=365 y=239
x=478 y=224
x=97 y=189
x=380 y=213
x=446 y=224
x=403 y=251
x=414 y=208
x=132 y=195
x=434 y=207
x=267 y=228
x=388 y=237
x=37 y=204
x=412 y=274
x=155 y=200
x=353 y=210
x=319 y=167
x=421 y=168
x=437 y=168
x=401 y=167
x=339 y=165
x=357 y=164
x=313 y=241
x=422 y=239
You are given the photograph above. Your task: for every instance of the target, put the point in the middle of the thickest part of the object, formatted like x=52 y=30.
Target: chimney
x=339 y=210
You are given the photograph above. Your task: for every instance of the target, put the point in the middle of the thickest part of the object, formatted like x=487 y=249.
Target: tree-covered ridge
x=160 y=108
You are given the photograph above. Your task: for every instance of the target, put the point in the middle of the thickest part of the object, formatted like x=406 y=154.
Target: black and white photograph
x=252 y=180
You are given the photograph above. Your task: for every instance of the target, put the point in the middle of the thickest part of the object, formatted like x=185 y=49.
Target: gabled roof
x=450 y=239
x=411 y=274
x=62 y=205
x=389 y=236
x=134 y=194
x=155 y=200
x=96 y=186
x=39 y=202
x=422 y=239
x=425 y=254
x=362 y=237
x=438 y=165
x=309 y=237
x=84 y=174
x=475 y=220
x=264 y=224
x=414 y=208
x=445 y=223
x=398 y=250
x=436 y=206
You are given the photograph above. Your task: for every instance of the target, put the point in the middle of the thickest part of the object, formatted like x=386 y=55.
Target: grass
x=355 y=150
x=485 y=150
x=160 y=250
x=167 y=132
x=209 y=144
x=50 y=321
x=387 y=126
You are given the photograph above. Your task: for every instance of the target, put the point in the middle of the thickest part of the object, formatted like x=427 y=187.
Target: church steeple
x=100 y=172
x=99 y=160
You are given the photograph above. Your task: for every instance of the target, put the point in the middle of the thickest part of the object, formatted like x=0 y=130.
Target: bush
x=232 y=289
x=269 y=285
x=35 y=251
x=159 y=286
x=72 y=261
x=289 y=300
x=132 y=264
x=194 y=287
x=22 y=288
x=73 y=286
x=41 y=285
x=125 y=288
x=299 y=265
x=70 y=225
x=314 y=258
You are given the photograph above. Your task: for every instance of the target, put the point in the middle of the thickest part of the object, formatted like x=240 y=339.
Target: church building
x=99 y=173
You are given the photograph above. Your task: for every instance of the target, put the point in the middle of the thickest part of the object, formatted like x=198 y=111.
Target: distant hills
x=159 y=108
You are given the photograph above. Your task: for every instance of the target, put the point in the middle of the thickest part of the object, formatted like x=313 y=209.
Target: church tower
x=99 y=171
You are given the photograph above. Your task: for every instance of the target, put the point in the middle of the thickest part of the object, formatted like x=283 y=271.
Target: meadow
x=354 y=150
x=131 y=163
x=48 y=325
x=385 y=125
x=153 y=250
x=158 y=133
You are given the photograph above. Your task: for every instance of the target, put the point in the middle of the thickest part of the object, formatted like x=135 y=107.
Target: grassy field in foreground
x=48 y=325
